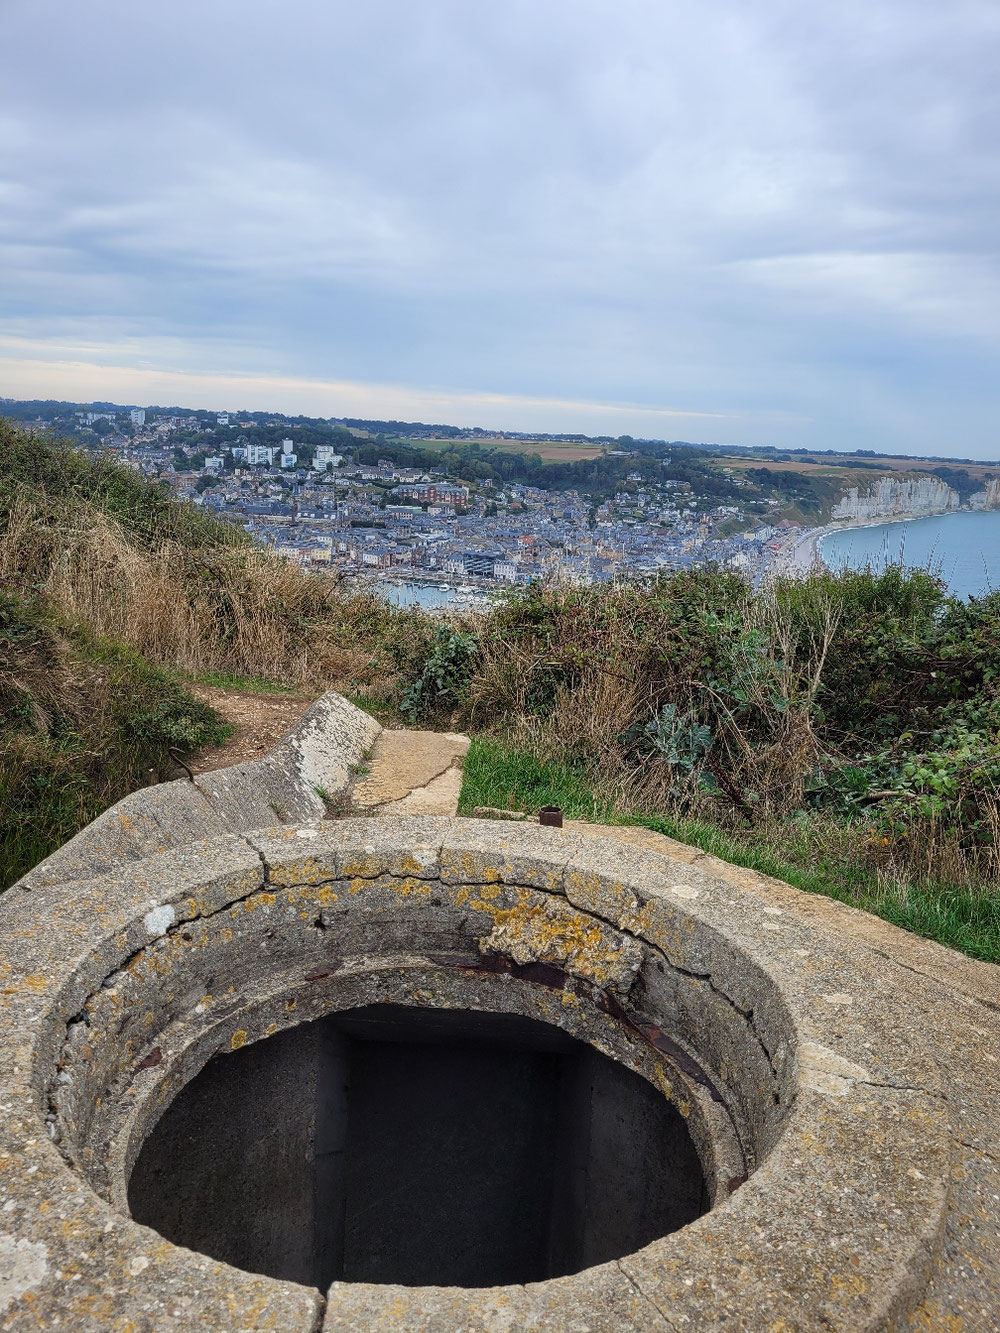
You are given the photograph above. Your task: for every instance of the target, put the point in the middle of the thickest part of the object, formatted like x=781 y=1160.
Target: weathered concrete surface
x=412 y=773
x=232 y=1169
x=118 y=990
x=312 y=766
x=66 y=1259
x=955 y=1001
x=852 y=1070
x=979 y=981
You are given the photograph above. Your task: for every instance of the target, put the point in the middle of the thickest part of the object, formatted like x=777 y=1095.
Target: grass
x=550 y=451
x=228 y=680
x=381 y=710
x=83 y=721
x=509 y=779
x=845 y=466
x=807 y=854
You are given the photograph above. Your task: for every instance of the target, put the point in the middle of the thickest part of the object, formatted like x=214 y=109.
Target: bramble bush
x=872 y=697
x=444 y=678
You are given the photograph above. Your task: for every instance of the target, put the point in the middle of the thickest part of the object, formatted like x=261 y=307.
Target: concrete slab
x=955 y=1001
x=856 y=1067
x=412 y=773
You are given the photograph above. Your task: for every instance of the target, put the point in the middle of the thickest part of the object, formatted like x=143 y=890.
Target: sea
x=963 y=549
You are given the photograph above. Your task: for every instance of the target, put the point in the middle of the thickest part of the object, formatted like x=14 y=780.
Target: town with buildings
x=319 y=505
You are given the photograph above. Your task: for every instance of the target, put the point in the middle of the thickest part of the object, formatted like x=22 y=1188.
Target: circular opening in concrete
x=398 y=1144
x=445 y=1063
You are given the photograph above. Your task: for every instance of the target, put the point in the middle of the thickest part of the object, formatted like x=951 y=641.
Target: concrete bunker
x=317 y=944
x=418 y=1066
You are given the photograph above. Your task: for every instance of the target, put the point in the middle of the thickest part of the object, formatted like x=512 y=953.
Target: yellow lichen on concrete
x=409 y=887
x=238 y=1039
x=534 y=930
x=931 y=1318
x=666 y=1087
x=36 y=982
x=611 y=898
x=472 y=870
x=262 y=899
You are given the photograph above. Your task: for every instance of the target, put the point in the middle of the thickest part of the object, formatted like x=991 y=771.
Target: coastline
x=804 y=555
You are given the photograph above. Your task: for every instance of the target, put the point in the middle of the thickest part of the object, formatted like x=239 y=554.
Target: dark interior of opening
x=421 y=1147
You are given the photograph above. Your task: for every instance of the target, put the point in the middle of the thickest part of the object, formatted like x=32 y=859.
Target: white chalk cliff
x=901 y=496
x=989 y=498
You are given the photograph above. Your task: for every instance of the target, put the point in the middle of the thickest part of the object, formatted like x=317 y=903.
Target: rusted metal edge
x=556 y=978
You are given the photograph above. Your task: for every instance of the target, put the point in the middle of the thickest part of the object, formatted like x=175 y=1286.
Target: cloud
x=779 y=214
x=53 y=376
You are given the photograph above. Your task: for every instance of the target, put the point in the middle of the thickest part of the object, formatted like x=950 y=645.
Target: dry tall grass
x=238 y=608
x=605 y=665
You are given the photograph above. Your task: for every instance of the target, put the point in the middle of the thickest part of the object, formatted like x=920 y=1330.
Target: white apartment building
x=326 y=453
x=257 y=455
x=138 y=416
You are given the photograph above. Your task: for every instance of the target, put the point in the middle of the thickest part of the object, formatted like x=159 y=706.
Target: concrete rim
x=835 y=1229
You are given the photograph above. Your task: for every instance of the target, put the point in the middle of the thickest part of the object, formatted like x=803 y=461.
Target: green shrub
x=444 y=678
x=872 y=696
x=81 y=724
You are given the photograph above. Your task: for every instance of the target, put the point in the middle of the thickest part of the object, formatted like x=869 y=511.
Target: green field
x=552 y=451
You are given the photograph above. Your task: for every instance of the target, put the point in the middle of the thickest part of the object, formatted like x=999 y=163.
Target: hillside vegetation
x=113 y=595
x=109 y=550
x=840 y=731
x=82 y=722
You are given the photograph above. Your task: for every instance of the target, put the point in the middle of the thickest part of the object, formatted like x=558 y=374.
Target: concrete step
x=412 y=773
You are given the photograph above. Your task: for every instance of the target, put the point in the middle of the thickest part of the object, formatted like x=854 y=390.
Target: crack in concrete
x=266 y=869
x=645 y=1296
x=980 y=1152
x=746 y=1014
x=900 y=1087
x=992 y=1005
x=320 y=1317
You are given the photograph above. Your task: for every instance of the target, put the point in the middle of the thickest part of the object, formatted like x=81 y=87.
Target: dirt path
x=408 y=773
x=260 y=721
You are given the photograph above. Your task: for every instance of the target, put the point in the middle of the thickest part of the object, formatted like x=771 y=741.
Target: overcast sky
x=751 y=222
